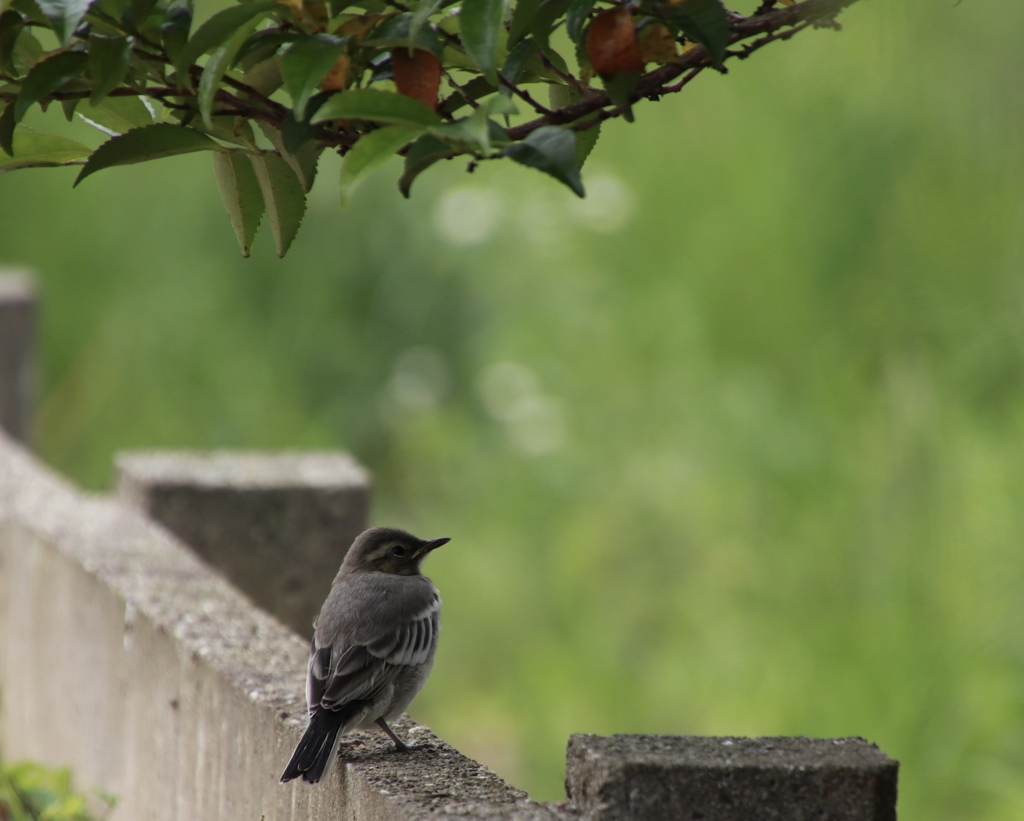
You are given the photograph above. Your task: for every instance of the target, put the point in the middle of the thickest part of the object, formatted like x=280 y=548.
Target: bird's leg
x=400 y=745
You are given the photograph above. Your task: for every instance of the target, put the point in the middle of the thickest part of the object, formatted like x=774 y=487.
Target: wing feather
x=358 y=672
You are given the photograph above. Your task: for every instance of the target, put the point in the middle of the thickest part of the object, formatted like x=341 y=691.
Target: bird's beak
x=432 y=545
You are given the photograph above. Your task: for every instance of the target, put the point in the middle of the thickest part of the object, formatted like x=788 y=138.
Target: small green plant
x=267 y=85
x=32 y=792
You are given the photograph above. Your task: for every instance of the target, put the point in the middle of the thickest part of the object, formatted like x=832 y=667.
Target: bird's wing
x=358 y=671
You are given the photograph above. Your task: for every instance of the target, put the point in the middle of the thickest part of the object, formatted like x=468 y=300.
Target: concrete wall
x=17 y=335
x=128 y=657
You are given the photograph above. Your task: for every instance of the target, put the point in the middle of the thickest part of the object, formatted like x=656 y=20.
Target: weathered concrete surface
x=124 y=657
x=730 y=779
x=17 y=339
x=276 y=524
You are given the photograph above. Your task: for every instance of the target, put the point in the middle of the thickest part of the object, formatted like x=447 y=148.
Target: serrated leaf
x=377 y=106
x=480 y=27
x=150 y=142
x=473 y=90
x=283 y=196
x=612 y=44
x=241 y=193
x=64 y=16
x=551 y=149
x=303 y=160
x=69 y=106
x=417 y=74
x=477 y=131
x=422 y=14
x=398 y=32
x=422 y=154
x=7 y=130
x=138 y=13
x=116 y=115
x=545 y=20
x=371 y=152
x=522 y=19
x=620 y=88
x=576 y=18
x=220 y=27
x=585 y=142
x=11 y=25
x=305 y=63
x=216 y=67
x=32 y=149
x=265 y=76
x=175 y=28
x=108 y=64
x=46 y=77
x=705 y=21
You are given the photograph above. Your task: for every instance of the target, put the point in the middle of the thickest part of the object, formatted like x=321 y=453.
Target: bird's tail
x=315 y=749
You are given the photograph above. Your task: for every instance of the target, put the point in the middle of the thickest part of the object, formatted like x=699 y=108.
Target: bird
x=373 y=646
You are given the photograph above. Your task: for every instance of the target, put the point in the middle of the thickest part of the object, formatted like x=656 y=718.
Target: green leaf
x=11 y=25
x=422 y=154
x=216 y=67
x=215 y=31
x=576 y=18
x=303 y=159
x=422 y=15
x=473 y=90
x=241 y=193
x=522 y=20
x=377 y=106
x=284 y=198
x=137 y=15
x=64 y=16
x=150 y=142
x=32 y=149
x=585 y=142
x=619 y=87
x=7 y=130
x=371 y=152
x=399 y=31
x=116 y=114
x=305 y=63
x=46 y=77
x=476 y=132
x=705 y=21
x=108 y=64
x=69 y=106
x=480 y=27
x=545 y=20
x=586 y=139
x=176 y=26
x=551 y=149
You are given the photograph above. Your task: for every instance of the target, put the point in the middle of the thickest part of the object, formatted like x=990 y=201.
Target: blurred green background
x=734 y=446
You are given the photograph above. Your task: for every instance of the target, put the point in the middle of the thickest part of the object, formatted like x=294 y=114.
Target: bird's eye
x=399 y=551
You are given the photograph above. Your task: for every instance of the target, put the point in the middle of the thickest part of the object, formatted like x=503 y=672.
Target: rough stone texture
x=729 y=779
x=277 y=525
x=17 y=333
x=124 y=657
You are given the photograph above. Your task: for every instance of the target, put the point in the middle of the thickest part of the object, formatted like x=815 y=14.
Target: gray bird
x=373 y=645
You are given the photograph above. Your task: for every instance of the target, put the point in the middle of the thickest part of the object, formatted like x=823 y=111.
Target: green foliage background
x=731 y=447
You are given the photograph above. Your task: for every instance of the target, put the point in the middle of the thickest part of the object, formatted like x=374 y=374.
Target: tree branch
x=778 y=24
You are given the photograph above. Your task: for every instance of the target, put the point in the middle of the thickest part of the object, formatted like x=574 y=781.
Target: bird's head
x=389 y=550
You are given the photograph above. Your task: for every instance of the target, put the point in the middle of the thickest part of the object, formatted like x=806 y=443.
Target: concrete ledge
x=17 y=339
x=276 y=524
x=126 y=658
x=729 y=779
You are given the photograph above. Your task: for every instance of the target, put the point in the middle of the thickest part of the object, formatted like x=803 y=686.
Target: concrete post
x=277 y=525
x=17 y=333
x=615 y=778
